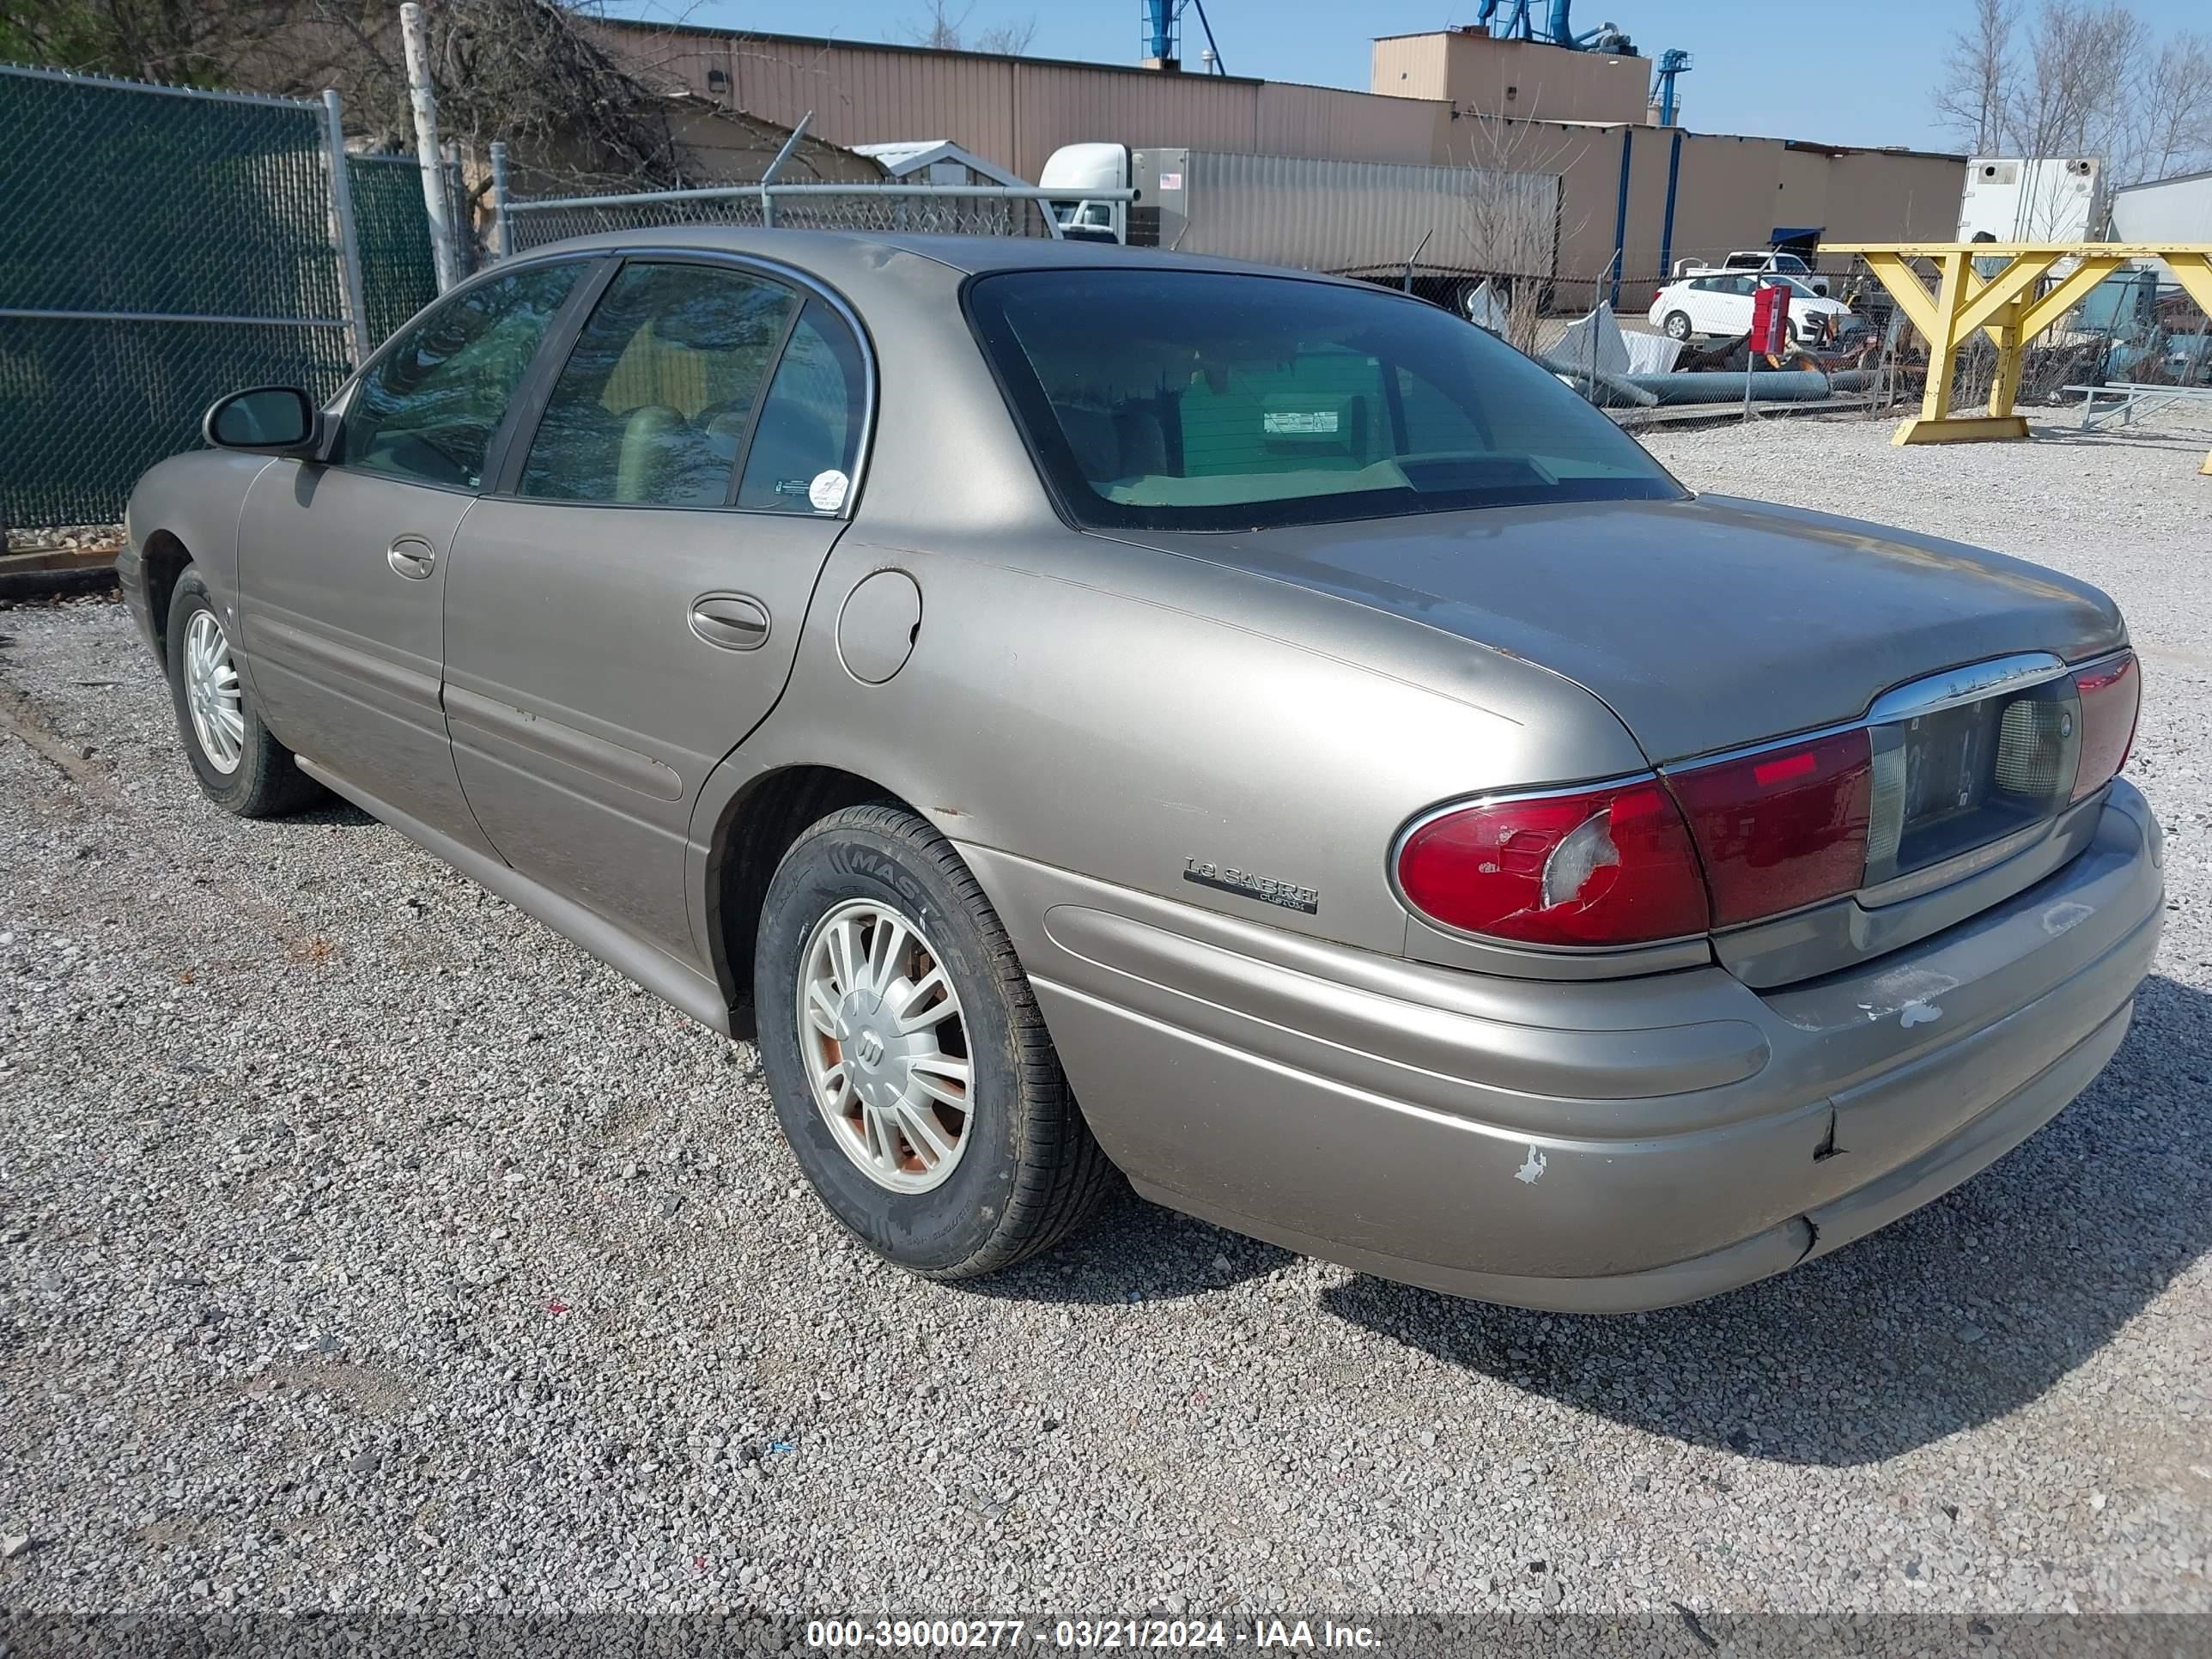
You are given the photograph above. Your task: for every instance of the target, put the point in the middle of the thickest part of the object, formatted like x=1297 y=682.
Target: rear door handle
x=412 y=557
x=729 y=620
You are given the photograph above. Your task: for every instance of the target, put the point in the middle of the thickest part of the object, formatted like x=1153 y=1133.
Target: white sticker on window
x=1170 y=181
x=827 y=492
x=1298 y=420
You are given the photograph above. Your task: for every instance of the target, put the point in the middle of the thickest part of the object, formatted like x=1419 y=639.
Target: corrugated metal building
x=1632 y=197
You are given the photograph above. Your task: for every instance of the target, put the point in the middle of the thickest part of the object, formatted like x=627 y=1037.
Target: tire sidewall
x=1667 y=324
x=938 y=1230
x=227 y=789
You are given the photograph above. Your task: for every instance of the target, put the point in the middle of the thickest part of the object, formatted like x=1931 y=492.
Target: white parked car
x=1720 y=301
x=1782 y=264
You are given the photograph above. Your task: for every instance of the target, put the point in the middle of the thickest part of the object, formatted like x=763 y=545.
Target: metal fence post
x=444 y=255
x=775 y=170
x=455 y=174
x=502 y=238
x=344 y=235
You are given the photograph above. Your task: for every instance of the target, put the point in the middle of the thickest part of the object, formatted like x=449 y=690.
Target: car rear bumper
x=1594 y=1146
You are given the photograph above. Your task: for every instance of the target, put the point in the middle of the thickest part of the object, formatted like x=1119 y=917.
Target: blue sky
x=1868 y=85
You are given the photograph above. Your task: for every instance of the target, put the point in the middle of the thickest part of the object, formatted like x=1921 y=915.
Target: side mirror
x=271 y=420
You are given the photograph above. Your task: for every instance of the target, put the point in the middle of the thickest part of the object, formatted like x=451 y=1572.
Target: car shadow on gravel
x=333 y=809
x=1134 y=1251
x=1950 y=1318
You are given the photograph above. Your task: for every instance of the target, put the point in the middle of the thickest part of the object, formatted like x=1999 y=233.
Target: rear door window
x=808 y=438
x=658 y=396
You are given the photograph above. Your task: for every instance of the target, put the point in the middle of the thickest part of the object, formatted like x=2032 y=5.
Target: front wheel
x=1677 y=325
x=909 y=1064
x=239 y=765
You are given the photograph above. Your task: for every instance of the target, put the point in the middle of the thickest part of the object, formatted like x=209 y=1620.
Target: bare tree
x=2091 y=81
x=1978 y=73
x=209 y=43
x=945 y=28
x=2071 y=101
x=938 y=27
x=2170 y=129
x=1010 y=39
x=1513 y=230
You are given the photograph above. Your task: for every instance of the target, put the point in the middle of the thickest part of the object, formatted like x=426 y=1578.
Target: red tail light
x=2112 y=697
x=1783 y=828
x=1603 y=866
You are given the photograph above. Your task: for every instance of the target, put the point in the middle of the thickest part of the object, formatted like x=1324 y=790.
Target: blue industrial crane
x=1672 y=62
x=1163 y=32
x=1558 y=28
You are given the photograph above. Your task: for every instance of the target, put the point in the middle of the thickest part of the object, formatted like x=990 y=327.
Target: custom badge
x=1266 y=889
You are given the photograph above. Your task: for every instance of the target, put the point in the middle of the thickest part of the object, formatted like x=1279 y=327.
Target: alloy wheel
x=884 y=1045
x=211 y=692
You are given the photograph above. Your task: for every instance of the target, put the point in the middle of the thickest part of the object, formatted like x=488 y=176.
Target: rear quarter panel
x=1121 y=713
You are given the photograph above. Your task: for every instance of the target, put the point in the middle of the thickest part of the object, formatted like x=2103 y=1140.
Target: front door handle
x=731 y=621
x=412 y=557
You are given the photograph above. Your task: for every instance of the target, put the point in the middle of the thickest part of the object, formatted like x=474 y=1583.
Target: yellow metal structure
x=2011 y=306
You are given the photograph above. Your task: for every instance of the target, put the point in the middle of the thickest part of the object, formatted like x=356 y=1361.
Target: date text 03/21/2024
x=1087 y=1635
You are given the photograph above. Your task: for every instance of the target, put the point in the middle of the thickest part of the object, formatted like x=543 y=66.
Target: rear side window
x=427 y=409
x=655 y=402
x=1204 y=400
x=809 y=432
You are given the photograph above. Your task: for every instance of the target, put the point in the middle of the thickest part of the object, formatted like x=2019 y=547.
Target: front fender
x=195 y=498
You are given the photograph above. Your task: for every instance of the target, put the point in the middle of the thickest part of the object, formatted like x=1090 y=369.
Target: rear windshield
x=1203 y=400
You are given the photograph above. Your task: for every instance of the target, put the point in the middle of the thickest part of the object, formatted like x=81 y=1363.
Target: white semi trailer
x=2021 y=199
x=1367 y=218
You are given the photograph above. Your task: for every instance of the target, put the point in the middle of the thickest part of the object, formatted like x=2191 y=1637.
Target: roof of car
x=836 y=255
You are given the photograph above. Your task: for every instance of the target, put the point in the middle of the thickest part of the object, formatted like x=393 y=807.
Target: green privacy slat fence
x=157 y=249
x=393 y=233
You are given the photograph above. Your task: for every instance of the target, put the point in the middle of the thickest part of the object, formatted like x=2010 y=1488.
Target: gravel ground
x=365 y=1246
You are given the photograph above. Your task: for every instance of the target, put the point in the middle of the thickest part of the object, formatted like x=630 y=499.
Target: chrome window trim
x=808 y=284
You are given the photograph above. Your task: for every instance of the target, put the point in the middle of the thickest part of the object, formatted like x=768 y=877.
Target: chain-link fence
x=159 y=247
x=916 y=209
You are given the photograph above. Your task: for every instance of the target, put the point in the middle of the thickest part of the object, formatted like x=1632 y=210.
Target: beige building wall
x=1878 y=194
x=1730 y=191
x=1015 y=111
x=1524 y=79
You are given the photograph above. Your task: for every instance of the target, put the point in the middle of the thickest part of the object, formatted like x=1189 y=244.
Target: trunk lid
x=1705 y=624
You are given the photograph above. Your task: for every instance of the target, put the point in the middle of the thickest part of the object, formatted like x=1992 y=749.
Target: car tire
x=1022 y=1170
x=1677 y=325
x=238 y=764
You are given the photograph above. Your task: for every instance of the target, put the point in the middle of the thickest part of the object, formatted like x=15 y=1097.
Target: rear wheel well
x=757 y=830
x=164 y=562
